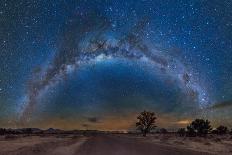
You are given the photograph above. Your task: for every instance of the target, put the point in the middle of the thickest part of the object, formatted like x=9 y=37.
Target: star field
x=93 y=62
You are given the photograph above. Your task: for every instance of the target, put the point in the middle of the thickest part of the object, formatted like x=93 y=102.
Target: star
x=105 y=59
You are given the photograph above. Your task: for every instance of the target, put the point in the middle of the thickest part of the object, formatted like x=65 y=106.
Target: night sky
x=95 y=64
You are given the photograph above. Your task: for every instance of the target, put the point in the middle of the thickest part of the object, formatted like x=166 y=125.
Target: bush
x=199 y=127
x=190 y=131
x=221 y=130
x=214 y=131
x=181 y=132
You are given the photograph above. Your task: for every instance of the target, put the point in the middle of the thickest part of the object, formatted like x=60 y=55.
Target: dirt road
x=113 y=145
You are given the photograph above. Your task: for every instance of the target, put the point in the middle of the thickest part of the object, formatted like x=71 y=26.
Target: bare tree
x=146 y=122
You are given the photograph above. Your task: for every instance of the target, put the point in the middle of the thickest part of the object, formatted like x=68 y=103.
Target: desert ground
x=114 y=144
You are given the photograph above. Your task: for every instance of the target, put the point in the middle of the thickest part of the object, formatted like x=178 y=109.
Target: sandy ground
x=114 y=145
x=213 y=144
x=45 y=145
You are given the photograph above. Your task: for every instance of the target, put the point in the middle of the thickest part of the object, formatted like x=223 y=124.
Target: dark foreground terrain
x=107 y=145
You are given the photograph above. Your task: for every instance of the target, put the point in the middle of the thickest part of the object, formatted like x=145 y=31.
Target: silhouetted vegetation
x=181 y=132
x=191 y=131
x=7 y=131
x=146 y=122
x=163 y=130
x=214 y=131
x=221 y=130
x=27 y=131
x=19 y=131
x=2 y=131
x=199 y=127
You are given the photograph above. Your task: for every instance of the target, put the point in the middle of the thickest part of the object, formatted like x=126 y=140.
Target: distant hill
x=51 y=130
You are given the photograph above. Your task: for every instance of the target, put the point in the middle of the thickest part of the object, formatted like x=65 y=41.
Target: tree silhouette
x=146 y=122
x=2 y=131
x=191 y=131
x=200 y=127
x=221 y=130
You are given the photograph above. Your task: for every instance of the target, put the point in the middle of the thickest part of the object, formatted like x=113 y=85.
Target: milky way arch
x=90 y=37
